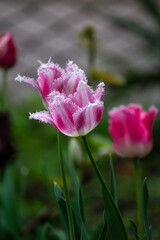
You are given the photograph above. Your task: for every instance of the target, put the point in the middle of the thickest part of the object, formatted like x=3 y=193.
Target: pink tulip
x=74 y=107
x=8 y=50
x=131 y=130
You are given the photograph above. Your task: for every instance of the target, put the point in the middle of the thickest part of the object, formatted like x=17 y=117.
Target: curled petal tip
x=31 y=115
x=45 y=65
x=19 y=78
x=153 y=109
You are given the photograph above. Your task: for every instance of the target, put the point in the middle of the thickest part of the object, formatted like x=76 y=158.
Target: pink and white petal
x=99 y=91
x=43 y=117
x=125 y=123
x=73 y=68
x=71 y=82
x=134 y=124
x=148 y=119
x=62 y=110
x=58 y=85
x=86 y=119
x=47 y=74
x=56 y=70
x=30 y=81
x=35 y=84
x=116 y=110
x=117 y=125
x=72 y=77
x=84 y=95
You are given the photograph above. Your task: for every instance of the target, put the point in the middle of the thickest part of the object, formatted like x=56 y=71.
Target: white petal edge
x=42 y=116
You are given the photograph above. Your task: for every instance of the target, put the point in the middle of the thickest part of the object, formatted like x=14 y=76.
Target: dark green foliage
x=145 y=211
x=135 y=230
x=9 y=212
x=104 y=235
x=113 y=183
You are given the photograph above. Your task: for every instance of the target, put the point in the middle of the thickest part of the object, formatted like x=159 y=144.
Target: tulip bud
x=8 y=51
x=131 y=130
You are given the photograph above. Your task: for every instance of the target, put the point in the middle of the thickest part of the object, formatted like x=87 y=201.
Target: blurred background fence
x=44 y=29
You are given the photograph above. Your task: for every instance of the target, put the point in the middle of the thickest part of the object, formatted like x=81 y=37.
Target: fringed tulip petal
x=84 y=95
x=72 y=78
x=47 y=75
x=43 y=117
x=62 y=110
x=99 y=91
x=88 y=118
x=30 y=81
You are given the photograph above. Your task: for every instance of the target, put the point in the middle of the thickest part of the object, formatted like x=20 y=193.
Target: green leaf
x=83 y=232
x=62 y=204
x=47 y=230
x=134 y=226
x=104 y=230
x=81 y=201
x=77 y=203
x=48 y=182
x=2 y=230
x=116 y=226
x=113 y=182
x=10 y=204
x=145 y=211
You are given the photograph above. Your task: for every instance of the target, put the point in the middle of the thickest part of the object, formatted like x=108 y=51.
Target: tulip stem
x=4 y=89
x=68 y=203
x=94 y=163
x=109 y=196
x=138 y=176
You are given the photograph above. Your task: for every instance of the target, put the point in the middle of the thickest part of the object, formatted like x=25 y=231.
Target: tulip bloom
x=8 y=51
x=131 y=130
x=74 y=107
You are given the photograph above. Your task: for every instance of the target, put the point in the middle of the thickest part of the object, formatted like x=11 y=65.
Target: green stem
x=4 y=89
x=103 y=184
x=138 y=175
x=68 y=203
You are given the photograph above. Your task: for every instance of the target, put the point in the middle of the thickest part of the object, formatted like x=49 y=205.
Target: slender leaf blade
x=104 y=230
x=145 y=210
x=116 y=226
x=47 y=230
x=10 y=203
x=113 y=182
x=83 y=232
x=62 y=204
x=78 y=203
x=135 y=230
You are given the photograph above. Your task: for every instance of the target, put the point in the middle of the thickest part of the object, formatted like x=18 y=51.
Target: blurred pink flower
x=131 y=130
x=8 y=51
x=74 y=107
